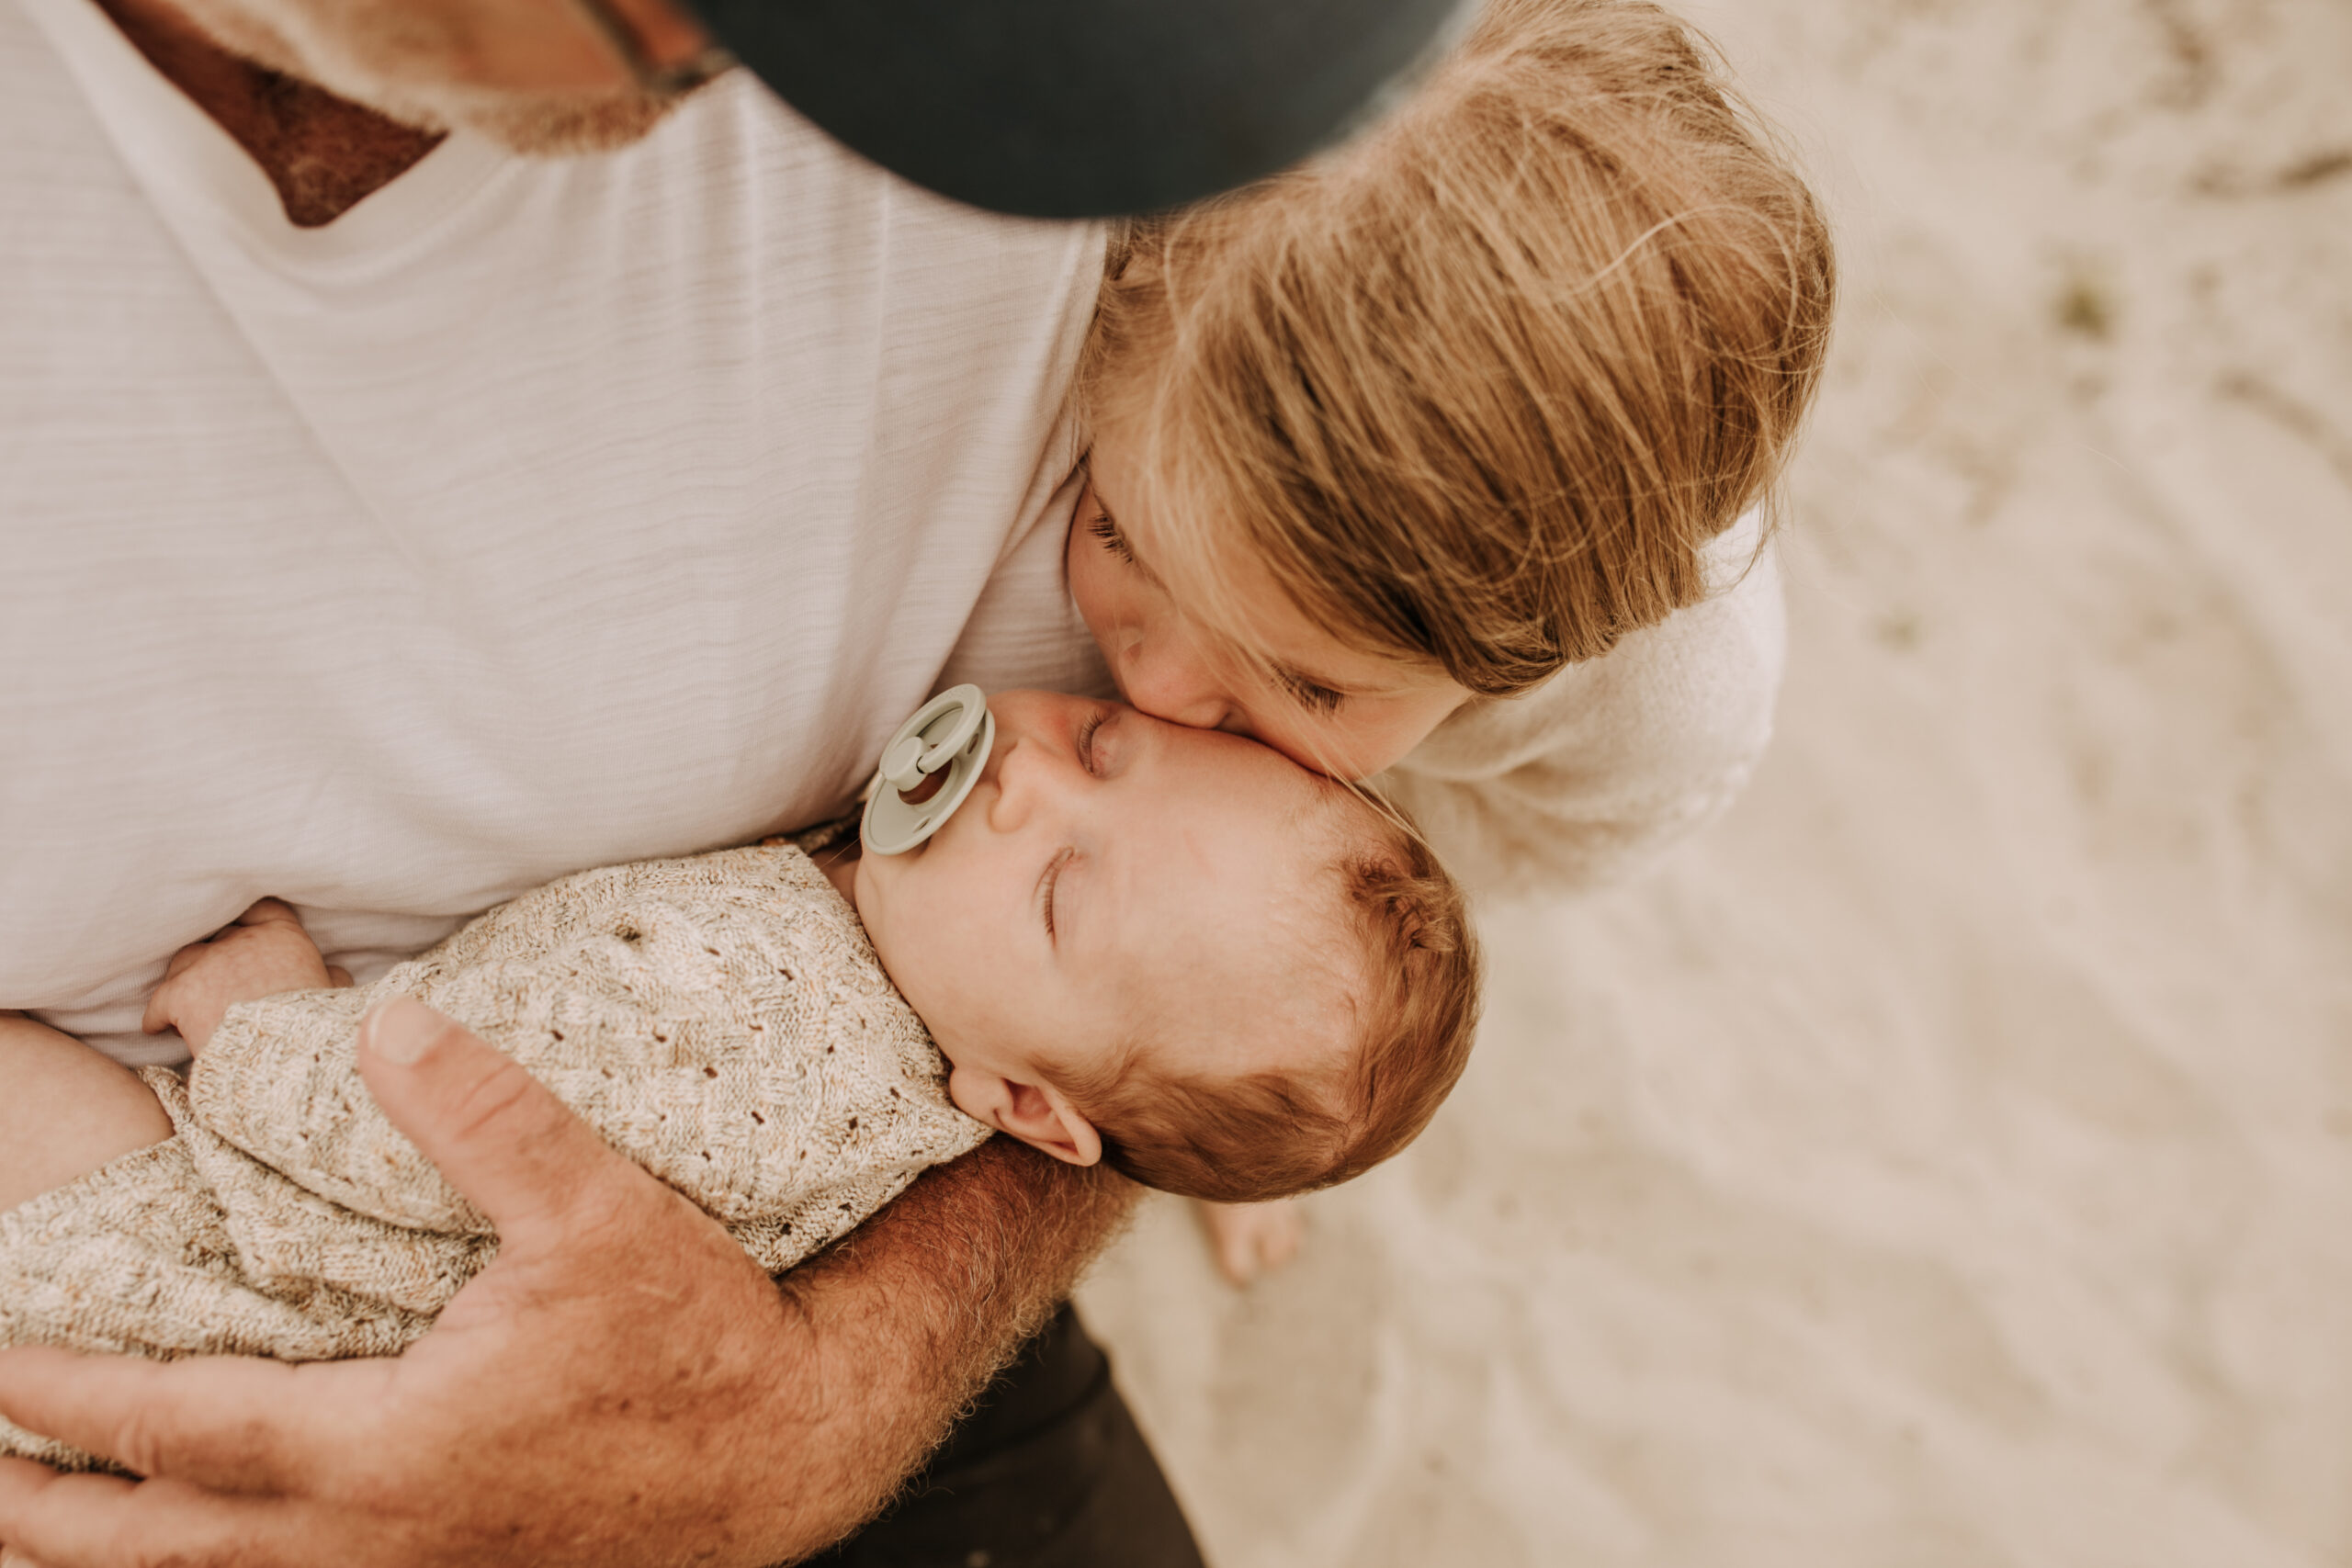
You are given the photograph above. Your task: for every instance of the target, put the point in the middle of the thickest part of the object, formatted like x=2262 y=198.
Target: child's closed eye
x=1310 y=694
x=1103 y=529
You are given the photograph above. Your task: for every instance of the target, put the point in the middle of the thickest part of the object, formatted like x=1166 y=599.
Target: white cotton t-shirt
x=541 y=515
x=533 y=515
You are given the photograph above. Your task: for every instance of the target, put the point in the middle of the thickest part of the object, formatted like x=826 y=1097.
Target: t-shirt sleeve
x=1025 y=631
x=1591 y=776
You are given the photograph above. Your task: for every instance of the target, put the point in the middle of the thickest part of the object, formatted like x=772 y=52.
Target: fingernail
x=403 y=1029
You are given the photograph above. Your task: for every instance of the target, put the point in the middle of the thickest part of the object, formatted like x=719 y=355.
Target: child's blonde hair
x=1477 y=390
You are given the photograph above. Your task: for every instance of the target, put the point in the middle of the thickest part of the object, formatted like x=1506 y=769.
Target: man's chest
x=396 y=602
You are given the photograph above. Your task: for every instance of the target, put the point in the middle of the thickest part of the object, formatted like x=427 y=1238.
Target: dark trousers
x=1048 y=1471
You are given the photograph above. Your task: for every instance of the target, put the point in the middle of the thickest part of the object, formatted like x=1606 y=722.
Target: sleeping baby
x=1111 y=937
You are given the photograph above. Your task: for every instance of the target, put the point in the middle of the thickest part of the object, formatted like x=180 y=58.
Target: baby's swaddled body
x=720 y=1020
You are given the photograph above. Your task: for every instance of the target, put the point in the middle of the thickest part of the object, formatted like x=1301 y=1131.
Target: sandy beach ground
x=1945 y=1161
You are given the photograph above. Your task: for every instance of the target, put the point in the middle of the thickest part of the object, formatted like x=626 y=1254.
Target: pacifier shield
x=928 y=768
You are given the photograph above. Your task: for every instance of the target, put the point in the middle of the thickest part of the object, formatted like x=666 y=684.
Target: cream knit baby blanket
x=722 y=1021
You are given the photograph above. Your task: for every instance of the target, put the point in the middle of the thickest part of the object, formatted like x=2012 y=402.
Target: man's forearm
x=621 y=1387
x=911 y=1315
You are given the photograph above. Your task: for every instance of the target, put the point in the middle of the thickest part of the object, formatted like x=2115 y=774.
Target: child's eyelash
x=1108 y=532
x=1085 y=738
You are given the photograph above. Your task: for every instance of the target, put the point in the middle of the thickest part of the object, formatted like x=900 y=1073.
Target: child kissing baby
x=1169 y=948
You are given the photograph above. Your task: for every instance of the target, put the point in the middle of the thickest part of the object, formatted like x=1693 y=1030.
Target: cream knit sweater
x=1591 y=776
x=722 y=1021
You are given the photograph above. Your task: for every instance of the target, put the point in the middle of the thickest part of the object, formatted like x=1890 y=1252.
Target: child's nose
x=1169 y=676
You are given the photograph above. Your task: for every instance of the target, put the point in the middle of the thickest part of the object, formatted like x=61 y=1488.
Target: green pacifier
x=929 y=767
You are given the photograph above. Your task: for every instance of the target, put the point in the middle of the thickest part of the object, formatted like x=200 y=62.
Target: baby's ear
x=1039 y=1116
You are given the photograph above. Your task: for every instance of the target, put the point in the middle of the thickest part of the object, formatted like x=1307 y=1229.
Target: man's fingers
x=104 y=1521
x=495 y=1132
x=230 y=1423
x=34 y=1499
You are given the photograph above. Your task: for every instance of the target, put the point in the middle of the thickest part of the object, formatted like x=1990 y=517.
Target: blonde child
x=1441 y=458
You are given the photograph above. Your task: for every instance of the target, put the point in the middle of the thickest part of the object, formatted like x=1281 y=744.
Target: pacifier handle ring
x=910 y=757
x=923 y=781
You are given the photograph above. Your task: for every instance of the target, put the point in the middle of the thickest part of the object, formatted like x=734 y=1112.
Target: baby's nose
x=1028 y=778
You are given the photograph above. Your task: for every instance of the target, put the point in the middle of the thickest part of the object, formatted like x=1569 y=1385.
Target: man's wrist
x=911 y=1315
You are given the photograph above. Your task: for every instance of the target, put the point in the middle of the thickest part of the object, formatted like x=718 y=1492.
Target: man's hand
x=622 y=1385
x=263 y=952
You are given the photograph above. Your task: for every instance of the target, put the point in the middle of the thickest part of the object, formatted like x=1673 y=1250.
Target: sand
x=1944 y=1161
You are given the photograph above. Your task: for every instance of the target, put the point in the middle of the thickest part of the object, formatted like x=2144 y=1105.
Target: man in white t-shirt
x=391 y=523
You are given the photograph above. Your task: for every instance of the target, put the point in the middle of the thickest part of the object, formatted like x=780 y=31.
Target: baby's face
x=1113 y=876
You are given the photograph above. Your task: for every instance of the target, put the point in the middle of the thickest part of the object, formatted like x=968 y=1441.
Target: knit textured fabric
x=722 y=1021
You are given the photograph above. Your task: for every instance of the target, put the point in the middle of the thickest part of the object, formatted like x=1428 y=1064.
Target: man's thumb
x=495 y=1132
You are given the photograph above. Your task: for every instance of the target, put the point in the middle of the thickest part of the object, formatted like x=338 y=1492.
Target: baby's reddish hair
x=1412 y=984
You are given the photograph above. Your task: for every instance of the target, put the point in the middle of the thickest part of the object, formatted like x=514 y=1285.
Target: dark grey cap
x=1072 y=108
